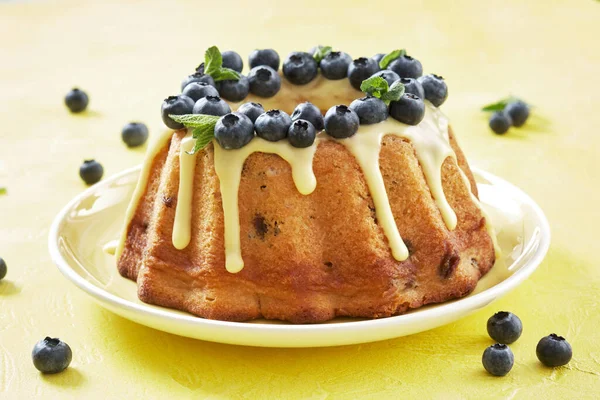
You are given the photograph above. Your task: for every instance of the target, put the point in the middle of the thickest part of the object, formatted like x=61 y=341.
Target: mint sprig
x=501 y=104
x=213 y=66
x=389 y=57
x=3 y=191
x=378 y=87
x=321 y=52
x=203 y=128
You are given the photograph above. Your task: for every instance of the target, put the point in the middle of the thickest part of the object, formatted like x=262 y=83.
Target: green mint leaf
x=213 y=61
x=3 y=191
x=375 y=86
x=321 y=52
x=501 y=104
x=226 y=74
x=394 y=93
x=388 y=58
x=203 y=135
x=195 y=120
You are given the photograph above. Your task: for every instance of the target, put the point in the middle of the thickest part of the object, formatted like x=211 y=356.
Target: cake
x=378 y=220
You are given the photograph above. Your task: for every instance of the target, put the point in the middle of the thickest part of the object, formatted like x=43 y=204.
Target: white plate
x=94 y=218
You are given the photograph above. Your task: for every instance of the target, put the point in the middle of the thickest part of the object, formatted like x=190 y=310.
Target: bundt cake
x=368 y=212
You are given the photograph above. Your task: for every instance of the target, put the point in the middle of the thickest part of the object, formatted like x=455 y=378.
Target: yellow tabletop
x=129 y=55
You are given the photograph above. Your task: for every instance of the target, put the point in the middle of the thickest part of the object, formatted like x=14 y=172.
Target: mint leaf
x=394 y=93
x=375 y=86
x=388 y=58
x=501 y=104
x=204 y=128
x=3 y=191
x=321 y=52
x=203 y=135
x=225 y=74
x=213 y=66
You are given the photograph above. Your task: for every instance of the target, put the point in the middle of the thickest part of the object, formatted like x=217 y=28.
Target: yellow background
x=128 y=56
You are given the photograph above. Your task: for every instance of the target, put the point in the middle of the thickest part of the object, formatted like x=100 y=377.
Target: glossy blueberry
x=264 y=81
x=273 y=125
x=411 y=85
x=198 y=77
x=554 y=351
x=504 y=327
x=251 y=110
x=309 y=112
x=500 y=122
x=51 y=356
x=335 y=65
x=518 y=112
x=302 y=133
x=134 y=134
x=233 y=90
x=388 y=75
x=361 y=69
x=91 y=171
x=409 y=110
x=198 y=90
x=341 y=122
x=377 y=57
x=498 y=359
x=436 y=90
x=211 y=105
x=175 y=105
x=232 y=60
x=370 y=110
x=267 y=57
x=300 y=68
x=406 y=67
x=3 y=268
x=234 y=131
x=76 y=100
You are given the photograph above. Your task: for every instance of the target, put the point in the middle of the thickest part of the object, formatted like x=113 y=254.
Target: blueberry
x=554 y=351
x=436 y=90
x=267 y=57
x=76 y=100
x=410 y=109
x=504 y=327
x=232 y=60
x=300 y=68
x=134 y=134
x=233 y=90
x=500 y=122
x=341 y=122
x=335 y=65
x=251 y=110
x=51 y=356
x=302 y=133
x=264 y=81
x=175 y=105
x=411 y=85
x=3 y=269
x=273 y=125
x=370 y=110
x=211 y=105
x=361 y=69
x=198 y=77
x=388 y=75
x=234 y=131
x=91 y=171
x=406 y=67
x=498 y=359
x=198 y=90
x=377 y=57
x=518 y=112
x=309 y=112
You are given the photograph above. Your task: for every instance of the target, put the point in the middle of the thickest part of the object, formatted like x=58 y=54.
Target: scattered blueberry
x=360 y=69
x=251 y=110
x=234 y=131
x=341 y=122
x=518 y=112
x=134 y=134
x=498 y=359
x=300 y=68
x=232 y=60
x=273 y=125
x=389 y=75
x=211 y=105
x=554 y=351
x=370 y=110
x=377 y=57
x=406 y=67
x=309 y=112
x=76 y=100
x=198 y=77
x=504 y=327
x=301 y=133
x=436 y=90
x=3 y=268
x=264 y=81
x=198 y=90
x=267 y=57
x=335 y=65
x=175 y=105
x=411 y=85
x=233 y=90
x=409 y=110
x=500 y=122
x=51 y=356
x=91 y=171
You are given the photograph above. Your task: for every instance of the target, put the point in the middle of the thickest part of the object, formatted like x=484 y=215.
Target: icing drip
x=183 y=213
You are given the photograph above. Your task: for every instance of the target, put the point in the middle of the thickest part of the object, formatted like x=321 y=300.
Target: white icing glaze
x=182 y=226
